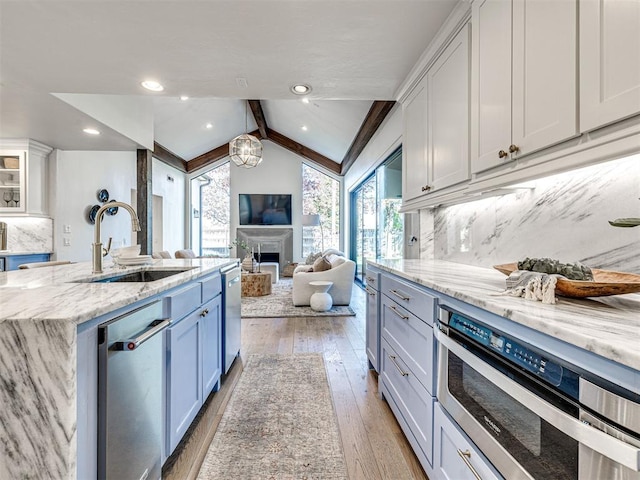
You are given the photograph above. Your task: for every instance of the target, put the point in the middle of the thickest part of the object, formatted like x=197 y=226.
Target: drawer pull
x=402 y=372
x=371 y=280
x=370 y=292
x=400 y=295
x=395 y=310
x=205 y=312
x=465 y=456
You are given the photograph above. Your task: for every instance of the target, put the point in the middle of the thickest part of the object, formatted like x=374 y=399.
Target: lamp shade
x=245 y=151
x=311 y=220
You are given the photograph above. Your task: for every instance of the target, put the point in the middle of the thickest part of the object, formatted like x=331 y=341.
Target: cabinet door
x=544 y=73
x=184 y=377
x=414 y=145
x=373 y=328
x=609 y=61
x=455 y=457
x=448 y=114
x=490 y=82
x=211 y=333
x=12 y=181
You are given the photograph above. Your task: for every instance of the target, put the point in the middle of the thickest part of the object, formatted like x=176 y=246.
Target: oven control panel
x=506 y=347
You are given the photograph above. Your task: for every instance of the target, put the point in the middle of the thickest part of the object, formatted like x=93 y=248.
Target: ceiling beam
x=169 y=157
x=258 y=115
x=213 y=156
x=303 y=151
x=377 y=113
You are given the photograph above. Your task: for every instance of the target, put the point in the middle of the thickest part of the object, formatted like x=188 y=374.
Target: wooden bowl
x=605 y=282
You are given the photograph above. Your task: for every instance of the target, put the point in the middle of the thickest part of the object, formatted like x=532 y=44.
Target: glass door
x=363 y=226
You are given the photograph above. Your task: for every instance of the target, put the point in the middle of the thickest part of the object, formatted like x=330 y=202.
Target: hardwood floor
x=374 y=446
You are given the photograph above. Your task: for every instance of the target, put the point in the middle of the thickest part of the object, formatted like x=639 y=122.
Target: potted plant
x=248 y=262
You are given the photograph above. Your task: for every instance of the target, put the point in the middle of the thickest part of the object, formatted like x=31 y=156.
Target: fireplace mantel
x=271 y=240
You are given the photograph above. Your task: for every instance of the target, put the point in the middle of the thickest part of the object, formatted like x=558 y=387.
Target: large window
x=320 y=210
x=377 y=227
x=210 y=200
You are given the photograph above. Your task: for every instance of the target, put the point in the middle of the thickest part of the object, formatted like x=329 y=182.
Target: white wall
x=76 y=176
x=173 y=200
x=280 y=172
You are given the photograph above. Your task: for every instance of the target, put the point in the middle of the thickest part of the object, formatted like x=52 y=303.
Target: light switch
x=66 y=242
x=66 y=228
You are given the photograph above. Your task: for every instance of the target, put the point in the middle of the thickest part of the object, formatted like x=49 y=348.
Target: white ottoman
x=273 y=268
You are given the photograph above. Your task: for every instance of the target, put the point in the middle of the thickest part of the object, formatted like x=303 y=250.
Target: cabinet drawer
x=372 y=278
x=410 y=402
x=184 y=301
x=211 y=287
x=417 y=301
x=411 y=338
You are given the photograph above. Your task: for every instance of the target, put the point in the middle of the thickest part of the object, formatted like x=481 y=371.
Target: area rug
x=280 y=304
x=279 y=424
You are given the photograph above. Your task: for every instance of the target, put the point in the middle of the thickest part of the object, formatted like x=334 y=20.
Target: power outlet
x=66 y=242
x=66 y=228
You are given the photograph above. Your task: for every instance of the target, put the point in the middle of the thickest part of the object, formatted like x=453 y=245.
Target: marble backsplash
x=29 y=234
x=563 y=217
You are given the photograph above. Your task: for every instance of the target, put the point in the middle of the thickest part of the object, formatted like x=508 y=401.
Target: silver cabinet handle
x=400 y=295
x=131 y=344
x=205 y=312
x=235 y=280
x=370 y=279
x=402 y=372
x=395 y=310
x=370 y=292
x=465 y=456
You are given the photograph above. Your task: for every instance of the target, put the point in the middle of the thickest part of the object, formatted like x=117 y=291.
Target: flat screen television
x=262 y=209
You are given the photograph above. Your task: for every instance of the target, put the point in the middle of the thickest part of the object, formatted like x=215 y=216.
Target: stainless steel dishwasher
x=231 y=330
x=130 y=418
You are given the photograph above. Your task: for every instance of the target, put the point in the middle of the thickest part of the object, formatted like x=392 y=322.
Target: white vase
x=248 y=264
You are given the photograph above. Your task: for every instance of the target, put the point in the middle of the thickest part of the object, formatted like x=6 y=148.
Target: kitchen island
x=41 y=313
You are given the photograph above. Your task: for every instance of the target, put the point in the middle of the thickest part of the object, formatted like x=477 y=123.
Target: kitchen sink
x=141 y=276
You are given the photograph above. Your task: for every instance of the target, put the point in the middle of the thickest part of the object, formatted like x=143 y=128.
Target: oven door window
x=542 y=450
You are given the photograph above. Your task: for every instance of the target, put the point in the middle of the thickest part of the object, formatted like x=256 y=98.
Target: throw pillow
x=312 y=258
x=321 y=264
x=329 y=251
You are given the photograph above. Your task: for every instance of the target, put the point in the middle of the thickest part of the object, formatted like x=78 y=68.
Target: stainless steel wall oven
x=534 y=416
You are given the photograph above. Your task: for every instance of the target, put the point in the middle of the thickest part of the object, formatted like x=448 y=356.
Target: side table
x=320 y=300
x=255 y=284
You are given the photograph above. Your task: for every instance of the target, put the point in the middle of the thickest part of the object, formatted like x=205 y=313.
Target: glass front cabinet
x=12 y=181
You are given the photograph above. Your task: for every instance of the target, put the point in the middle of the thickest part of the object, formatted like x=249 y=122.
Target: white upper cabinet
x=436 y=123
x=524 y=86
x=448 y=114
x=414 y=144
x=609 y=61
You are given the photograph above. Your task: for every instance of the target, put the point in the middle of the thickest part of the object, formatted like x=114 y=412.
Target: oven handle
x=617 y=450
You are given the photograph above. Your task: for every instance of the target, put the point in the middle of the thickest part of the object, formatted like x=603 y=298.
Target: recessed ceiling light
x=209 y=126
x=305 y=100
x=91 y=131
x=184 y=98
x=152 y=85
x=301 y=89
x=304 y=128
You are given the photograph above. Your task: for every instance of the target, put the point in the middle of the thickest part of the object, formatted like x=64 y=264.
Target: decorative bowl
x=128 y=252
x=605 y=282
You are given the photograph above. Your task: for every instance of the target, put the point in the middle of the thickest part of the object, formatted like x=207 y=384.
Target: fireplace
x=276 y=244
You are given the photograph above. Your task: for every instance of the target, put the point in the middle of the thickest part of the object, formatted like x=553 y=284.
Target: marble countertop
x=63 y=293
x=607 y=326
x=14 y=253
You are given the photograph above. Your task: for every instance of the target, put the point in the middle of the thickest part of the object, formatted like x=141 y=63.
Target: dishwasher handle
x=131 y=344
x=234 y=280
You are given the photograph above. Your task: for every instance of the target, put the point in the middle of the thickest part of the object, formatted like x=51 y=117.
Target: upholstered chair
x=186 y=253
x=162 y=254
x=342 y=274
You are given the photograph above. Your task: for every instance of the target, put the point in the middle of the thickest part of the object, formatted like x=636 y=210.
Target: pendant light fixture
x=245 y=150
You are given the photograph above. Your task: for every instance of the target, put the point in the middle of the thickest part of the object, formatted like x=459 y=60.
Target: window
x=320 y=196
x=377 y=227
x=211 y=214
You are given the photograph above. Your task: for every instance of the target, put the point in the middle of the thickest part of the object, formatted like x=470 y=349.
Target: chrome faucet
x=97 y=244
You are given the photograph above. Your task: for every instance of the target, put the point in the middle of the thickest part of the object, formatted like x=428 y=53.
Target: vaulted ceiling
x=354 y=53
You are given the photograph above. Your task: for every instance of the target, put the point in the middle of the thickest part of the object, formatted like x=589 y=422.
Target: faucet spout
x=97 y=244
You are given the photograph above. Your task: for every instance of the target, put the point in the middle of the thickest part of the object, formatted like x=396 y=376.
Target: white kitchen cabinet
x=448 y=114
x=23 y=177
x=414 y=144
x=456 y=458
x=372 y=278
x=523 y=80
x=609 y=61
